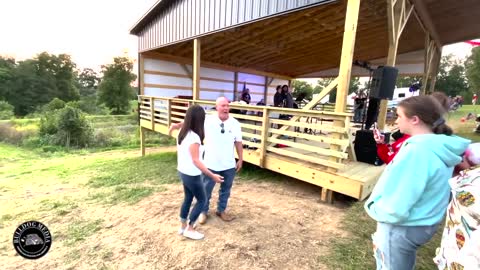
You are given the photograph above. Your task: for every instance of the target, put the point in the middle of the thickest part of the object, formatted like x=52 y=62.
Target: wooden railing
x=317 y=137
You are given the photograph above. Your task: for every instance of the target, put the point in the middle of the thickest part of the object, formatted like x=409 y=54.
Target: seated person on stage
x=386 y=152
x=246 y=96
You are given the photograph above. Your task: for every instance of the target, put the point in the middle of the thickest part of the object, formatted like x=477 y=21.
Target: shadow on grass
x=355 y=251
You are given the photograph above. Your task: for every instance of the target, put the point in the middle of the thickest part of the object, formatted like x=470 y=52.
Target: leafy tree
x=451 y=77
x=55 y=104
x=115 y=90
x=353 y=87
x=407 y=81
x=6 y=110
x=303 y=89
x=29 y=84
x=62 y=71
x=322 y=83
x=88 y=82
x=472 y=65
x=28 y=89
x=7 y=68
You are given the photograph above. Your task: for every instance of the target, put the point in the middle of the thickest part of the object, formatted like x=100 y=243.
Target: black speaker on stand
x=384 y=79
x=382 y=86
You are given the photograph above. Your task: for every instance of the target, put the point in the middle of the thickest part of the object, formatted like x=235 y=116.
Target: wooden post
x=141 y=72
x=263 y=143
x=430 y=53
x=169 y=112
x=142 y=141
x=152 y=112
x=266 y=90
x=196 y=69
x=235 y=86
x=348 y=46
x=398 y=12
x=326 y=195
x=436 y=66
x=351 y=21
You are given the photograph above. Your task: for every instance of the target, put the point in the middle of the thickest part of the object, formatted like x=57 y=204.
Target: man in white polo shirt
x=222 y=134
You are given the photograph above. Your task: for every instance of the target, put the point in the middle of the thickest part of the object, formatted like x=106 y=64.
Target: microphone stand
x=365 y=65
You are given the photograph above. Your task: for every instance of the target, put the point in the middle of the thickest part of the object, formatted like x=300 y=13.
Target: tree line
x=455 y=77
x=26 y=86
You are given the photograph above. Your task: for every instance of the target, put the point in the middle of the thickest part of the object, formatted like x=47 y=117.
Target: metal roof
x=305 y=41
x=170 y=21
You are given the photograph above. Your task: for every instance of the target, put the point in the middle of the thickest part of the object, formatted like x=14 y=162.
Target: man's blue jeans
x=395 y=247
x=225 y=187
x=192 y=187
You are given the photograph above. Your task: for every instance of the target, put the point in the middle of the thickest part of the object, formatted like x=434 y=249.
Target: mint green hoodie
x=413 y=190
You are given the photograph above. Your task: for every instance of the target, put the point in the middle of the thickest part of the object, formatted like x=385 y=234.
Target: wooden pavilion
x=193 y=51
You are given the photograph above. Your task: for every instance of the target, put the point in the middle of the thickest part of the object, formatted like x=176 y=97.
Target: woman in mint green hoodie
x=411 y=196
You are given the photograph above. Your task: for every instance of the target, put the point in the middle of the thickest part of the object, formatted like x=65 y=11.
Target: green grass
x=80 y=230
x=355 y=251
x=154 y=168
x=464 y=129
x=59 y=207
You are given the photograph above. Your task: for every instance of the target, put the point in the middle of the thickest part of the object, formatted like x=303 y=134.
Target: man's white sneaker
x=193 y=235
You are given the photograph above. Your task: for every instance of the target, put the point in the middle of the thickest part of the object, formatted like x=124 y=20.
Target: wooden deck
x=322 y=157
x=355 y=179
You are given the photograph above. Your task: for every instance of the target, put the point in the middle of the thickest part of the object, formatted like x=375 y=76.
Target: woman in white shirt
x=190 y=167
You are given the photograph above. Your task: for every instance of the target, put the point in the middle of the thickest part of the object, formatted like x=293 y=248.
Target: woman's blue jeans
x=395 y=247
x=192 y=187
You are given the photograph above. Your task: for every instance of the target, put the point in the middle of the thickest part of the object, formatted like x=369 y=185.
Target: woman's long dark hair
x=194 y=120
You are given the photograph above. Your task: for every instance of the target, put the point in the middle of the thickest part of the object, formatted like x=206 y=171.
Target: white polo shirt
x=184 y=158
x=219 y=147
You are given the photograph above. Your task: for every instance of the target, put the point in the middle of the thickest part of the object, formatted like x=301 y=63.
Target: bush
x=89 y=105
x=55 y=104
x=67 y=127
x=6 y=110
x=9 y=134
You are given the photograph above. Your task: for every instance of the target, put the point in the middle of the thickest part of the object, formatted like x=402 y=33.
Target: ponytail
x=440 y=127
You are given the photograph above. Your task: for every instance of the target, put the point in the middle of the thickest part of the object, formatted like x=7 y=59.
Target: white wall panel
x=165 y=66
x=216 y=73
x=251 y=78
x=167 y=80
x=217 y=85
x=160 y=92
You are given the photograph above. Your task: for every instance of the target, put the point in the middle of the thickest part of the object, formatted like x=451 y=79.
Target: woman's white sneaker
x=193 y=235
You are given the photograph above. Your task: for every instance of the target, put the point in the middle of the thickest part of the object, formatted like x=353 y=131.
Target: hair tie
x=440 y=121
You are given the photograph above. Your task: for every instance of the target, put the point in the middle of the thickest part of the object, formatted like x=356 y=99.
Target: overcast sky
x=91 y=31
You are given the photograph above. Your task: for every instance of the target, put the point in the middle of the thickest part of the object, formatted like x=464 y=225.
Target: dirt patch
x=278 y=226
